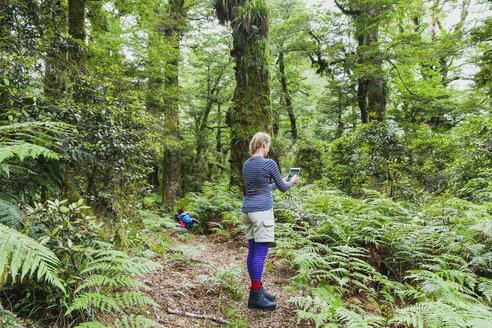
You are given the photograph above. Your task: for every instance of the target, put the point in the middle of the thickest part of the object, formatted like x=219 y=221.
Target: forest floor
x=195 y=279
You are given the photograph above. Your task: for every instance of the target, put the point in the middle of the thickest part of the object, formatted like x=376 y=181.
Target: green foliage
x=226 y=278
x=70 y=232
x=133 y=321
x=368 y=156
x=309 y=159
x=356 y=255
x=106 y=272
x=22 y=150
x=216 y=206
x=10 y=215
x=115 y=143
x=479 y=189
x=19 y=141
x=67 y=229
x=9 y=320
x=21 y=254
x=411 y=161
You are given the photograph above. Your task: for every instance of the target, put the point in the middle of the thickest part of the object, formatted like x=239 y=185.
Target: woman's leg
x=251 y=254
x=257 y=263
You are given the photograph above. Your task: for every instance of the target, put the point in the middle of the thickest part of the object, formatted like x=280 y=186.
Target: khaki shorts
x=259 y=226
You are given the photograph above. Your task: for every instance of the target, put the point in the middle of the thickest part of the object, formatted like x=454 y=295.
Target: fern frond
x=112 y=282
x=56 y=127
x=485 y=286
x=22 y=253
x=10 y=215
x=352 y=319
x=136 y=299
x=429 y=315
x=96 y=301
x=21 y=150
x=108 y=261
x=131 y=321
x=136 y=321
x=92 y=324
x=320 y=308
x=9 y=320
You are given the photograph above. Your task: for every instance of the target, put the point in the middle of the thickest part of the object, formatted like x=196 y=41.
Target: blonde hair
x=257 y=140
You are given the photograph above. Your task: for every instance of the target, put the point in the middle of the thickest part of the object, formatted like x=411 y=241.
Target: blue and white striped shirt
x=257 y=171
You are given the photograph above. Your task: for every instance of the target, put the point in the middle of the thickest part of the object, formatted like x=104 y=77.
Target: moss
x=251 y=109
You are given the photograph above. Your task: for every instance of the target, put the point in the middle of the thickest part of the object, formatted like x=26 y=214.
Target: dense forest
x=116 y=113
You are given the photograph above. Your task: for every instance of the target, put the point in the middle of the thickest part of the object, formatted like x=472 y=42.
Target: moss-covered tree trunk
x=251 y=108
x=171 y=174
x=76 y=29
x=56 y=61
x=371 y=93
x=376 y=87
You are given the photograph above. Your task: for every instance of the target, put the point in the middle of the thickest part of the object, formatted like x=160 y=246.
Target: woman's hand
x=296 y=179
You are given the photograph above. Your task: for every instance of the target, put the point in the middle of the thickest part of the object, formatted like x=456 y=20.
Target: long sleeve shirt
x=257 y=171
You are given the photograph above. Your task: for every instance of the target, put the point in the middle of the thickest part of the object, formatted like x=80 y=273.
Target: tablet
x=293 y=171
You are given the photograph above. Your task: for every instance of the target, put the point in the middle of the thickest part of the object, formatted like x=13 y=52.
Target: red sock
x=255 y=285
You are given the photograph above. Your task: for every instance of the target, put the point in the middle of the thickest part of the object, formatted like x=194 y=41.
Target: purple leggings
x=256 y=259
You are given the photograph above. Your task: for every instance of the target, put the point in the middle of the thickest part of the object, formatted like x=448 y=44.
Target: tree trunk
x=286 y=95
x=376 y=87
x=173 y=31
x=218 y=137
x=371 y=93
x=76 y=19
x=76 y=29
x=55 y=62
x=361 y=100
x=251 y=108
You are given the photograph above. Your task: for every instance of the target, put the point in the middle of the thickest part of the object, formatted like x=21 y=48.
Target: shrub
x=215 y=206
x=368 y=157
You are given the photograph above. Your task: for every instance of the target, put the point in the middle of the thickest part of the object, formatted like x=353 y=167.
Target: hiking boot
x=268 y=296
x=257 y=300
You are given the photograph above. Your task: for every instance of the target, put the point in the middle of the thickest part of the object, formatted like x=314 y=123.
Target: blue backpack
x=186 y=218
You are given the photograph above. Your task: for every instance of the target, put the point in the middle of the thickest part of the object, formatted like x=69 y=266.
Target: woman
x=257 y=214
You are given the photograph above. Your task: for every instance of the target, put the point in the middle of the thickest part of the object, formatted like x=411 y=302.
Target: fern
x=10 y=215
x=321 y=307
x=353 y=319
x=92 y=324
x=23 y=254
x=9 y=320
x=113 y=261
x=131 y=321
x=111 y=282
x=27 y=140
x=95 y=300
x=441 y=315
x=21 y=150
x=485 y=286
x=108 y=272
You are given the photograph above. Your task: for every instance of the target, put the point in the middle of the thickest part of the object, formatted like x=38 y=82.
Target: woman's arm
x=272 y=168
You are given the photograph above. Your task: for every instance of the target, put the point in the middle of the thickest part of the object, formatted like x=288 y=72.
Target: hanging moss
x=226 y=9
x=252 y=19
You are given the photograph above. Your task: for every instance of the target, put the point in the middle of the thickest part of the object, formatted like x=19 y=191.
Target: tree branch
x=349 y=12
x=403 y=82
x=199 y=316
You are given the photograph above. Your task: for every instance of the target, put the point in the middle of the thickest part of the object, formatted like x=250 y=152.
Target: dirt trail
x=191 y=282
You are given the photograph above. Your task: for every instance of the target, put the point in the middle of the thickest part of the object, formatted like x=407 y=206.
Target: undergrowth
x=375 y=262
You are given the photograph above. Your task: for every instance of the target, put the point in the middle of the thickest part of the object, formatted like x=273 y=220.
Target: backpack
x=186 y=218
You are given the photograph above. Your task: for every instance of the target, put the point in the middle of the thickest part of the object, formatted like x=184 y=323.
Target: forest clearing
x=246 y=163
